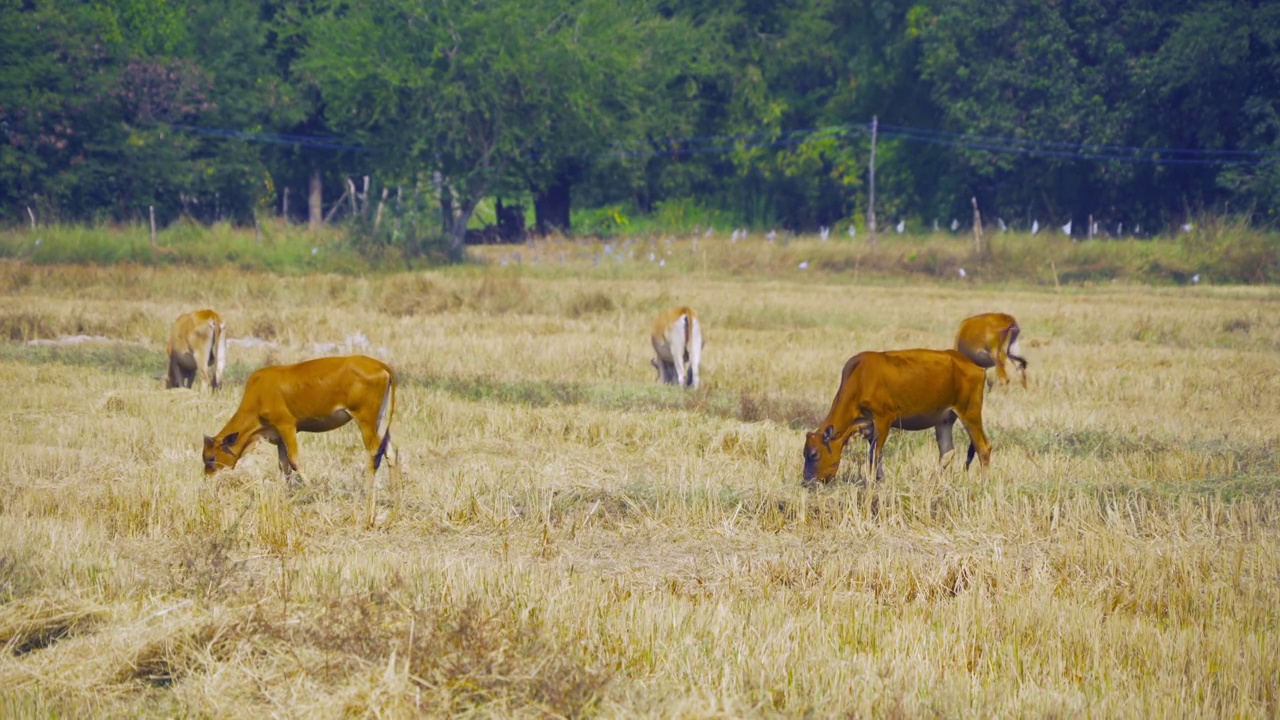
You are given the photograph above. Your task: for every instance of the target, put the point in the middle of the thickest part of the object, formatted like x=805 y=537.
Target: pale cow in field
x=677 y=342
x=197 y=344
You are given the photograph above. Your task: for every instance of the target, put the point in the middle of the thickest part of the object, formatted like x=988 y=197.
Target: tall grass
x=1217 y=250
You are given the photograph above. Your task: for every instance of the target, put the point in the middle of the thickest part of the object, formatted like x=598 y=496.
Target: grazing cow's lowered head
x=219 y=453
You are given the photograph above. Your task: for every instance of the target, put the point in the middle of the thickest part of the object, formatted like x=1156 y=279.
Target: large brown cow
x=197 y=344
x=989 y=340
x=903 y=388
x=313 y=396
x=677 y=342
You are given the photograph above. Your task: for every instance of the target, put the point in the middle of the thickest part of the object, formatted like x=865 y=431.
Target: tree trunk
x=445 y=196
x=458 y=229
x=315 y=201
x=551 y=206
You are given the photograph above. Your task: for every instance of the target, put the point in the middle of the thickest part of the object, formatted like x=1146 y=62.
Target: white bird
x=853 y=231
x=1195 y=278
x=1119 y=229
x=1138 y=230
x=1000 y=222
x=662 y=263
x=824 y=232
x=804 y=265
x=1066 y=229
x=1035 y=226
x=707 y=234
x=1093 y=232
x=1186 y=228
x=315 y=250
x=961 y=271
x=955 y=224
x=773 y=235
x=902 y=226
x=652 y=257
x=935 y=224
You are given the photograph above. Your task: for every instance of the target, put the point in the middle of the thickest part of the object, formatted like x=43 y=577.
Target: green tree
x=491 y=95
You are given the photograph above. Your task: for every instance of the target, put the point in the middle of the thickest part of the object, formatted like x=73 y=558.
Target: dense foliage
x=1142 y=113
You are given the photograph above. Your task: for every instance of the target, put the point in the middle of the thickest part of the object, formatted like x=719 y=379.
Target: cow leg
x=379 y=448
x=368 y=422
x=174 y=378
x=286 y=468
x=202 y=356
x=879 y=434
x=287 y=451
x=677 y=364
x=946 y=443
x=695 y=358
x=971 y=415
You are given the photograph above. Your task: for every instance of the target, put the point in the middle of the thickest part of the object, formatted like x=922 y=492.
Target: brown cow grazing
x=989 y=339
x=313 y=396
x=910 y=389
x=677 y=341
x=197 y=344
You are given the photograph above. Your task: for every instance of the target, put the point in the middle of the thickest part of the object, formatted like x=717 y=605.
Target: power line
x=724 y=144
x=312 y=141
x=1090 y=147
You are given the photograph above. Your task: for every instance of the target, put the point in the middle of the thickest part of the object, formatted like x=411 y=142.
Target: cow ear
x=208 y=441
x=230 y=440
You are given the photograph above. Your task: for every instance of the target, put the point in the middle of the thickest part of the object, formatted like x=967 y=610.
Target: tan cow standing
x=677 y=341
x=197 y=344
x=313 y=396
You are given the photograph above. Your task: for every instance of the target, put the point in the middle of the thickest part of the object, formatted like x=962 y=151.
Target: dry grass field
x=571 y=539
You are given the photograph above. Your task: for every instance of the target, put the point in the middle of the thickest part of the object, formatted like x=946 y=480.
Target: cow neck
x=841 y=417
x=247 y=425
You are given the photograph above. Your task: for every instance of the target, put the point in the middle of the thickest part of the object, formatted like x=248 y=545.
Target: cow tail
x=217 y=352
x=972 y=452
x=1013 y=350
x=688 y=329
x=385 y=412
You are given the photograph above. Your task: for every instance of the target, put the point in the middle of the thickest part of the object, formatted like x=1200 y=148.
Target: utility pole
x=871 y=199
x=977 y=227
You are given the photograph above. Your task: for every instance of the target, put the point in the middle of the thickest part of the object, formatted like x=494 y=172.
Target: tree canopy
x=1134 y=113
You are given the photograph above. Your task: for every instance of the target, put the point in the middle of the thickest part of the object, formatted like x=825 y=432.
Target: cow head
x=822 y=450
x=219 y=453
